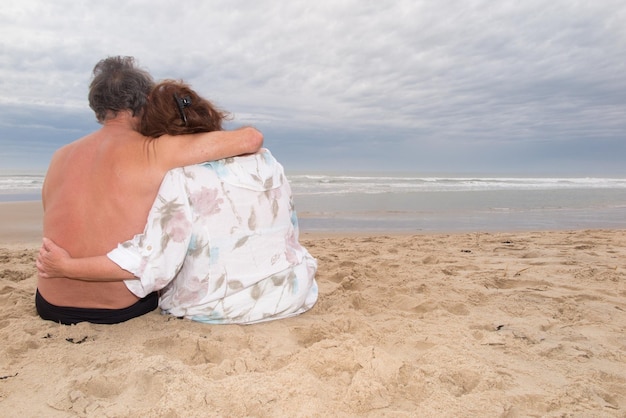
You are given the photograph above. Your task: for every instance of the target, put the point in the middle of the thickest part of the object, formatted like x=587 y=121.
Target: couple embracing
x=161 y=207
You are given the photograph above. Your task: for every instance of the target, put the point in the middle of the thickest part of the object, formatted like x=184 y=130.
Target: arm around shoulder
x=183 y=150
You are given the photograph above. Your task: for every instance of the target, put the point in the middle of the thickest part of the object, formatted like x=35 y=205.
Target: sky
x=529 y=87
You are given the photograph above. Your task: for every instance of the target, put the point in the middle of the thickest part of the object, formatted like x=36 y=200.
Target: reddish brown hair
x=162 y=115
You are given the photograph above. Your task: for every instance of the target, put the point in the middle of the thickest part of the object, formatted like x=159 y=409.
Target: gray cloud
x=400 y=84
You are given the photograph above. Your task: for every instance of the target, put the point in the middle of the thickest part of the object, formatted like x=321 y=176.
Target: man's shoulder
x=76 y=143
x=63 y=151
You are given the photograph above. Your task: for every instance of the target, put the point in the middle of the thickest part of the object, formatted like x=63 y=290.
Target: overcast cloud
x=501 y=87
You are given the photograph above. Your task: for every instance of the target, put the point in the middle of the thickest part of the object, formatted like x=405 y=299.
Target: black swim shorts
x=69 y=315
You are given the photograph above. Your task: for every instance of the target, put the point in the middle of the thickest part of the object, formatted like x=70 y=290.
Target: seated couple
x=220 y=244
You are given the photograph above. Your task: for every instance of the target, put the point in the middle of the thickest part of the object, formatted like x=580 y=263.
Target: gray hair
x=118 y=85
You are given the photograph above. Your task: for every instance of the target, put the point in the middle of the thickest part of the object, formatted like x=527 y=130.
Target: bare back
x=98 y=192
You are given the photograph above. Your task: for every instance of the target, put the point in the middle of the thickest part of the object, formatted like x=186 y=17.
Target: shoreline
x=21 y=223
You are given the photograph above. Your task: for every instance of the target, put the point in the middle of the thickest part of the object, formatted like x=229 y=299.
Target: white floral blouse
x=222 y=243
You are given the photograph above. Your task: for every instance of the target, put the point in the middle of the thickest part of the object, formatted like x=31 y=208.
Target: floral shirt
x=221 y=243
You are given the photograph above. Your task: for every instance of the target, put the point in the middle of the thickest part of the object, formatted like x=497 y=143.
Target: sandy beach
x=509 y=324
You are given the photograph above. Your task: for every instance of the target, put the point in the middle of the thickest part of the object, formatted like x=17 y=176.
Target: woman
x=221 y=242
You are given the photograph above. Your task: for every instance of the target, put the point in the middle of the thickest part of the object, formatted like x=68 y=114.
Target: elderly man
x=99 y=189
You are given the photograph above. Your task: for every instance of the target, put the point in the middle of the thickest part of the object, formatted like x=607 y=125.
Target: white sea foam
x=307 y=184
x=21 y=183
x=325 y=184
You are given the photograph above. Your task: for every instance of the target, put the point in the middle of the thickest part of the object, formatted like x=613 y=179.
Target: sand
x=512 y=324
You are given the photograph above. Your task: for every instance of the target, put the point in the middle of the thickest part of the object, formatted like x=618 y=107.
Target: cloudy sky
x=529 y=87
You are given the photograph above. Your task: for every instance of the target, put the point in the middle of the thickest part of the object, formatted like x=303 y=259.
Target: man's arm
x=183 y=150
x=54 y=261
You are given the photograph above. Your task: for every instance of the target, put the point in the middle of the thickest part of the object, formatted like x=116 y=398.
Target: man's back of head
x=118 y=85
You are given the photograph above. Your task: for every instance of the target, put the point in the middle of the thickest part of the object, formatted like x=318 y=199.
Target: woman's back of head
x=175 y=109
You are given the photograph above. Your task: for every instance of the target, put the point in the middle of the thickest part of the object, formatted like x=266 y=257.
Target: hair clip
x=182 y=103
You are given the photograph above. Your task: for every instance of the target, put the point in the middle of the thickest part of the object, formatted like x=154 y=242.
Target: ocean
x=412 y=203
x=20 y=187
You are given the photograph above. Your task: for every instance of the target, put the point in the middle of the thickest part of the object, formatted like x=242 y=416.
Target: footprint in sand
x=460 y=382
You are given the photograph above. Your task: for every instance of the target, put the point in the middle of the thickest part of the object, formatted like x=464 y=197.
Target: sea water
x=20 y=186
x=412 y=203
x=454 y=203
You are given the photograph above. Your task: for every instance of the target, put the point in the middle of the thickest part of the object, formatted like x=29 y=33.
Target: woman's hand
x=51 y=260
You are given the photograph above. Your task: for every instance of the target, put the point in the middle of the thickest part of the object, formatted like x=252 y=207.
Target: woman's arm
x=155 y=256
x=183 y=150
x=54 y=261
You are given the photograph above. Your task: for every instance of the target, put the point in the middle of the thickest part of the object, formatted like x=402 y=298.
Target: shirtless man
x=99 y=189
